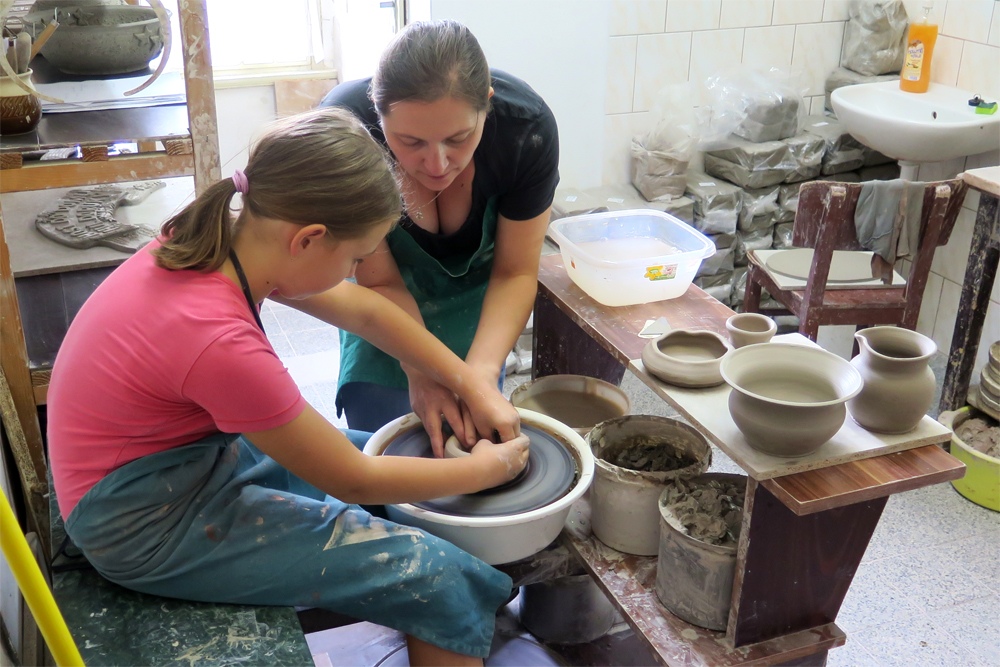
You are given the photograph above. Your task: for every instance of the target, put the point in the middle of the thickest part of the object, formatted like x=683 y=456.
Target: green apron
x=449 y=293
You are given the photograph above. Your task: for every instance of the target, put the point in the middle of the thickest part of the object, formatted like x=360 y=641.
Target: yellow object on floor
x=981 y=483
x=35 y=590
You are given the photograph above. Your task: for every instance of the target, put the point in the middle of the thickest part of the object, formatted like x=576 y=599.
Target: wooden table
x=803 y=534
x=980 y=274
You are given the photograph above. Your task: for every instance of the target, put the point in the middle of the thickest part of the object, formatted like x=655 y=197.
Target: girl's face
x=433 y=141
x=319 y=262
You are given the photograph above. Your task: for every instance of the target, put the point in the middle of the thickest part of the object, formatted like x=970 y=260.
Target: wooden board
x=708 y=410
x=83 y=128
x=33 y=254
x=859 y=481
x=986 y=179
x=630 y=583
x=788 y=282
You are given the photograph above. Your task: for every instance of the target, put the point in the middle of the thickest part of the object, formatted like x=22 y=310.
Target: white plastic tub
x=623 y=258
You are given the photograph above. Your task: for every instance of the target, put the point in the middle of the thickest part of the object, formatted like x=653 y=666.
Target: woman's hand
x=503 y=461
x=430 y=400
x=485 y=410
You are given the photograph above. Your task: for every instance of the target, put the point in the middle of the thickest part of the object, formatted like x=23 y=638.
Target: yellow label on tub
x=661 y=272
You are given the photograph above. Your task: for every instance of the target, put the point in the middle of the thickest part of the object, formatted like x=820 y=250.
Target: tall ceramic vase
x=899 y=384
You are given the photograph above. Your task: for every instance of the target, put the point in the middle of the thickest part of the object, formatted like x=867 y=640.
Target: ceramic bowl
x=750 y=329
x=686 y=358
x=101 y=39
x=500 y=539
x=788 y=400
x=578 y=401
x=994 y=354
x=20 y=111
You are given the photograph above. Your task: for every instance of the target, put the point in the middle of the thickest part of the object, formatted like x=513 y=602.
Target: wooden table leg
x=793 y=572
x=559 y=346
x=981 y=271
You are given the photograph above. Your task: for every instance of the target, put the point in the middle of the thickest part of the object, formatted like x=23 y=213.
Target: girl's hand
x=503 y=461
x=429 y=401
x=486 y=410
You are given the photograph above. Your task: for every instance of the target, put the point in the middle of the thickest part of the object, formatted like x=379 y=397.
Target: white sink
x=934 y=126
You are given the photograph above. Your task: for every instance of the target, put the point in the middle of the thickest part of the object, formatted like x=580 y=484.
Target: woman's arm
x=511 y=292
x=311 y=448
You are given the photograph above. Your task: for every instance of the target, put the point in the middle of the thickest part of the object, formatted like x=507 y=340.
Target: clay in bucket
x=548 y=476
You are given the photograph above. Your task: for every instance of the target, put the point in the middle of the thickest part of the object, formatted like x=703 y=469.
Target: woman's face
x=433 y=141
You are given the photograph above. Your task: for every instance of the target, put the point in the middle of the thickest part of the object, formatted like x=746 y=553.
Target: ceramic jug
x=899 y=384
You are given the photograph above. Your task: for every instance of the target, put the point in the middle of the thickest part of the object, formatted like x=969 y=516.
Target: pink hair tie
x=241 y=182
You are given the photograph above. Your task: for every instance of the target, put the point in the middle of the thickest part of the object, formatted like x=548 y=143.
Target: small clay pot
x=750 y=329
x=20 y=111
x=788 y=400
x=686 y=358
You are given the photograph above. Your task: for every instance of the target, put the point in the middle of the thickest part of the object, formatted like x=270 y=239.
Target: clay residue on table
x=648 y=454
x=982 y=435
x=709 y=511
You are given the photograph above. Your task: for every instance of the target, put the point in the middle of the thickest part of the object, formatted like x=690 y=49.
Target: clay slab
x=708 y=410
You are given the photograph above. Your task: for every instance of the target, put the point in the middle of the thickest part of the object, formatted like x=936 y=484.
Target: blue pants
x=371 y=406
x=219 y=521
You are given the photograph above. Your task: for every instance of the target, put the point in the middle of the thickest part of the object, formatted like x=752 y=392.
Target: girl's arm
x=383 y=324
x=511 y=292
x=311 y=448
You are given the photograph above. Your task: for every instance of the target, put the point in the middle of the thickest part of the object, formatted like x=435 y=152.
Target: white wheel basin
x=934 y=126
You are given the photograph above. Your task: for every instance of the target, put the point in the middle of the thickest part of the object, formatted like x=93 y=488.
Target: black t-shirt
x=517 y=159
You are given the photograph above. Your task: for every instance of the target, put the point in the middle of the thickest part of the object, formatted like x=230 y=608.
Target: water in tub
x=617 y=250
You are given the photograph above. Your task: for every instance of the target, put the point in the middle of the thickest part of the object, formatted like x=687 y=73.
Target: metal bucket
x=567 y=610
x=624 y=510
x=694 y=579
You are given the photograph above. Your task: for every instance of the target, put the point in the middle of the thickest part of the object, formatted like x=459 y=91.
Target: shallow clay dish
x=846 y=266
x=686 y=358
x=788 y=400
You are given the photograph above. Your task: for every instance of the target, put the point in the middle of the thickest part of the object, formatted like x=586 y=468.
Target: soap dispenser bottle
x=916 y=75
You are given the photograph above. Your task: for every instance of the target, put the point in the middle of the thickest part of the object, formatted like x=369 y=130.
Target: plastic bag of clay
x=783 y=235
x=874 y=37
x=661 y=156
x=722 y=260
x=758 y=223
x=875 y=159
x=757 y=203
x=571 y=201
x=843 y=152
x=625 y=197
x=806 y=151
x=769 y=105
x=739 y=287
x=842 y=76
x=747 y=241
x=883 y=172
x=743 y=176
x=716 y=203
x=718 y=286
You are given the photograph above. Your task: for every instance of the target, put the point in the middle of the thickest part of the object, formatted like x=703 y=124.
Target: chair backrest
x=821 y=217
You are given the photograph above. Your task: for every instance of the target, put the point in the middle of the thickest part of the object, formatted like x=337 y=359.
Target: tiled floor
x=927 y=592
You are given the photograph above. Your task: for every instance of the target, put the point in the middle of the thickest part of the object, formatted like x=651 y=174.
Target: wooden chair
x=825 y=222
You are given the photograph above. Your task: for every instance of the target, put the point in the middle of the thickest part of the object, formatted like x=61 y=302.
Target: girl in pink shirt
x=185 y=460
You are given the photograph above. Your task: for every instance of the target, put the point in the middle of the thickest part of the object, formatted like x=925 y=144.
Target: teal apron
x=449 y=293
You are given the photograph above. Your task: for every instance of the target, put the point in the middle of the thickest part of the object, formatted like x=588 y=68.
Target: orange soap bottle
x=916 y=74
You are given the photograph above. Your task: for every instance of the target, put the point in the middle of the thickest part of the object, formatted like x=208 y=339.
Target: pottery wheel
x=845 y=267
x=548 y=476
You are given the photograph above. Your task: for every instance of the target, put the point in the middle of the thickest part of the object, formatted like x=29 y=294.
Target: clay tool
x=22 y=46
x=12 y=57
x=44 y=37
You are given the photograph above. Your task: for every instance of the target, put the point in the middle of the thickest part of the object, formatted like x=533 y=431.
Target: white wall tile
x=745 y=13
x=769 y=47
x=816 y=54
x=980 y=72
x=621 y=74
x=788 y=12
x=631 y=17
x=941 y=171
x=995 y=25
x=946 y=60
x=968 y=19
x=947 y=312
x=693 y=15
x=835 y=10
x=988 y=159
x=817 y=105
x=713 y=52
x=618 y=131
x=929 y=305
x=950 y=261
x=971 y=200
x=662 y=60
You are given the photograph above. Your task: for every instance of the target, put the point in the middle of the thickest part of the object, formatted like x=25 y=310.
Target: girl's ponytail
x=200 y=236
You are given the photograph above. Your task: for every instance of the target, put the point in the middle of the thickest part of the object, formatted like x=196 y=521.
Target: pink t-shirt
x=156 y=359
